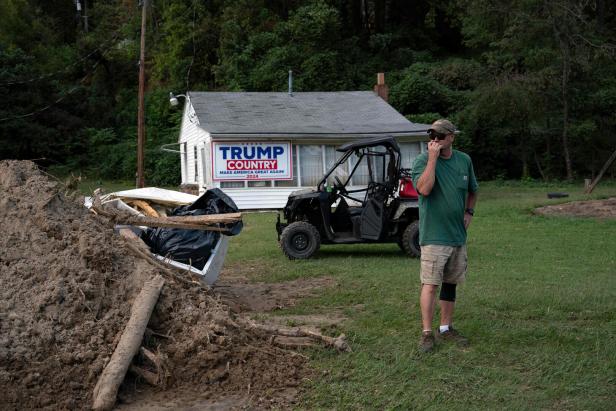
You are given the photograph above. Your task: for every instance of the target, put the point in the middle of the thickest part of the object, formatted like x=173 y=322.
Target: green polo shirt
x=441 y=214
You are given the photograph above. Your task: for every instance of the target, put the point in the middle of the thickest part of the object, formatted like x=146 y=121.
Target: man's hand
x=434 y=149
x=467 y=220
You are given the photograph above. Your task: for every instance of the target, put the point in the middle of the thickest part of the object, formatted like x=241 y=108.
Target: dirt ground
x=67 y=282
x=592 y=208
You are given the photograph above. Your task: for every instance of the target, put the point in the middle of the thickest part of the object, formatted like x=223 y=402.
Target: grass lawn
x=539 y=307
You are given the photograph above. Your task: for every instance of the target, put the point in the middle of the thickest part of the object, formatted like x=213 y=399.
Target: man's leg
x=433 y=259
x=447 y=308
x=426 y=302
x=447 y=301
x=454 y=273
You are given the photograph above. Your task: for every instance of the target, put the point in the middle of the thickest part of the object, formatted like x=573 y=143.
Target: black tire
x=410 y=240
x=300 y=240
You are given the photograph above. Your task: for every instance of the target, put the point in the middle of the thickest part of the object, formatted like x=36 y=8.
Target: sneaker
x=454 y=335
x=426 y=342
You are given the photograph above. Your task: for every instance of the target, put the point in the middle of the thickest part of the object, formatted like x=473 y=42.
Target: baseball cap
x=443 y=126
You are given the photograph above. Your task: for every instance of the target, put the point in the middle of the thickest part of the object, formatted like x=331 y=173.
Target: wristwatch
x=470 y=211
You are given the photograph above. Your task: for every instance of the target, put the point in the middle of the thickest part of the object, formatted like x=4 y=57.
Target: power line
x=48 y=106
x=100 y=49
x=65 y=69
x=83 y=79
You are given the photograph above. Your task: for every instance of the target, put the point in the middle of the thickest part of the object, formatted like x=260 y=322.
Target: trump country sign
x=251 y=161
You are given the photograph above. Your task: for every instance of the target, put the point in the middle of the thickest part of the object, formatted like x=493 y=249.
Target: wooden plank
x=143 y=205
x=203 y=222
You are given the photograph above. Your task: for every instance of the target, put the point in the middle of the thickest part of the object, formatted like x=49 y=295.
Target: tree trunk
x=110 y=380
x=565 y=52
x=539 y=168
x=607 y=165
x=565 y=96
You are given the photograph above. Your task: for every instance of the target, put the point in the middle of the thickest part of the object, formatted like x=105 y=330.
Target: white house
x=258 y=147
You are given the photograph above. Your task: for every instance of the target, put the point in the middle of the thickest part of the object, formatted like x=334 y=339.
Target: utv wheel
x=410 y=240
x=300 y=240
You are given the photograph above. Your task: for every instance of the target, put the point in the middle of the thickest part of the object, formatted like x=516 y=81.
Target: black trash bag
x=193 y=247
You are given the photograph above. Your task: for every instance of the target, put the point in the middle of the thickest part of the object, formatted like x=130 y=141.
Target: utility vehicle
x=365 y=197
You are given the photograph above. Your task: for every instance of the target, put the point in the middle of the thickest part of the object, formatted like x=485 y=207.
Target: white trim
x=299 y=165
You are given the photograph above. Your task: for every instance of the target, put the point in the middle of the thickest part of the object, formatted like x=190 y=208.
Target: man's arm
x=425 y=183
x=471 y=200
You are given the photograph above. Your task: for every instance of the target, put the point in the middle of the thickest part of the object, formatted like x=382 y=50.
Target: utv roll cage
x=335 y=213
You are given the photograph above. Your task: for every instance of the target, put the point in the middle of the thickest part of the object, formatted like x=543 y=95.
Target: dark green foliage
x=524 y=79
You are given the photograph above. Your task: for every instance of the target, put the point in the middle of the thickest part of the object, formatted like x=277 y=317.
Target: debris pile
x=67 y=284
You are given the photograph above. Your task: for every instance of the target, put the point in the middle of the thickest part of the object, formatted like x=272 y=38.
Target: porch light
x=173 y=99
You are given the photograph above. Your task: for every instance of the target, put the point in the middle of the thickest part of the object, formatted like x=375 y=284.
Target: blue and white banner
x=251 y=161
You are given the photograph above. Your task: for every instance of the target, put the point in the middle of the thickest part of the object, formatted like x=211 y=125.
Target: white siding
x=208 y=182
x=193 y=135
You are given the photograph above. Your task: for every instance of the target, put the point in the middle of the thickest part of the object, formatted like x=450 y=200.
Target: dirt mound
x=592 y=208
x=67 y=283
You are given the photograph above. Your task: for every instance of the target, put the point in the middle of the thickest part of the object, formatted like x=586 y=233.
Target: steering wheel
x=341 y=187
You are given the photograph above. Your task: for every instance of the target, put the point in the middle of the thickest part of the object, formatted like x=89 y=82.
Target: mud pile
x=592 y=208
x=67 y=282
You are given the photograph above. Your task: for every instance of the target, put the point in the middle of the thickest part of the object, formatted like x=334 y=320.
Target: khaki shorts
x=443 y=264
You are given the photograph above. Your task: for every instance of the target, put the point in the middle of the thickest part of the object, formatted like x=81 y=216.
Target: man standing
x=446 y=182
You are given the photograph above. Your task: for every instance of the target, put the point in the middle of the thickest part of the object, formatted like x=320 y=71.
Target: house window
x=232 y=184
x=195 y=162
x=360 y=176
x=290 y=183
x=185 y=158
x=373 y=166
x=342 y=171
x=311 y=165
x=408 y=152
x=260 y=183
x=203 y=165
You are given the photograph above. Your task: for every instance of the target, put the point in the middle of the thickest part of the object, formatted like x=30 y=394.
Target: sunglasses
x=436 y=135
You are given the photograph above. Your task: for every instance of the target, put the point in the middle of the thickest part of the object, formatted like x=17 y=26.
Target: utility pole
x=85 y=16
x=140 y=112
x=85 y=13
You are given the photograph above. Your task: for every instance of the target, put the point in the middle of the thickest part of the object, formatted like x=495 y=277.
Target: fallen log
x=110 y=380
x=148 y=376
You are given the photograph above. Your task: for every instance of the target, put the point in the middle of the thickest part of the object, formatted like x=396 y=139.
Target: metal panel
x=260 y=198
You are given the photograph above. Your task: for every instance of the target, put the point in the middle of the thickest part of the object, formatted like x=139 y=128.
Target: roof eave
x=287 y=136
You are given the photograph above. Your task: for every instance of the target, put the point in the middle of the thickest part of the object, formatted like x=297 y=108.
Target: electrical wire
x=83 y=79
x=100 y=49
x=58 y=100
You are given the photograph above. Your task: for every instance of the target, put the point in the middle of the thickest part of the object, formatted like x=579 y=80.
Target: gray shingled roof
x=312 y=113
